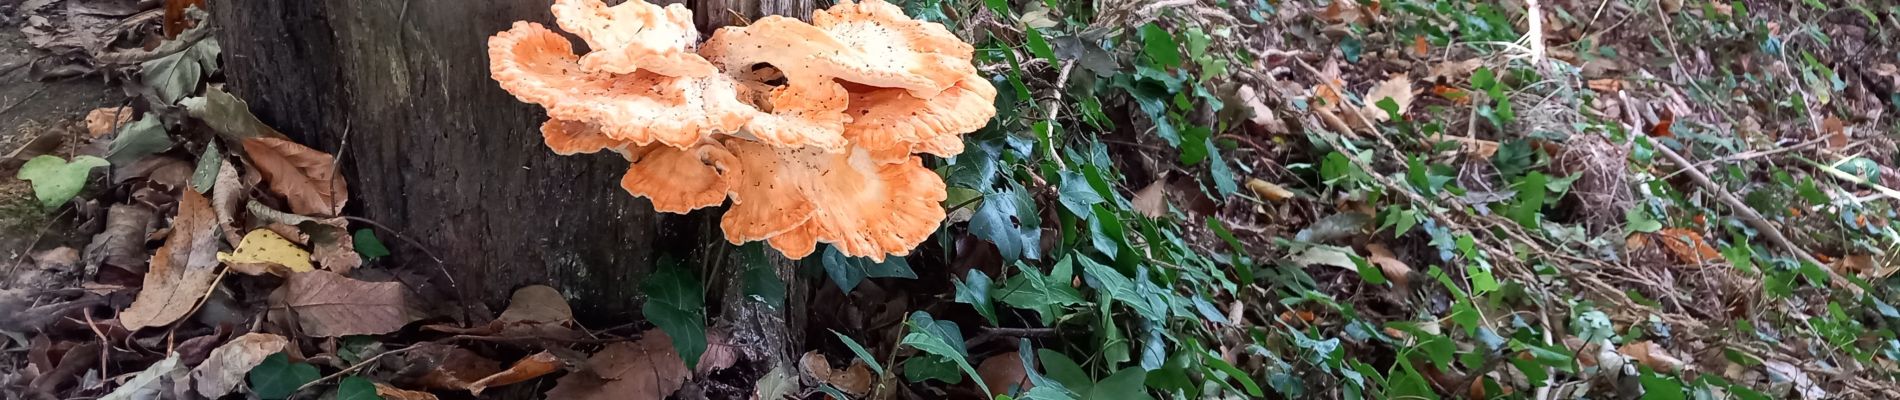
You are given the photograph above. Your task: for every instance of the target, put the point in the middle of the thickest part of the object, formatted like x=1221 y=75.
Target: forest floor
x=1659 y=199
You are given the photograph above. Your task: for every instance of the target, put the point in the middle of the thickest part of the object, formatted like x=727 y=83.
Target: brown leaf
x=122 y=244
x=228 y=364
x=1687 y=246
x=1835 y=131
x=102 y=121
x=226 y=196
x=1477 y=148
x=305 y=177
x=1258 y=112
x=331 y=245
x=1268 y=190
x=530 y=367
x=452 y=368
x=1004 y=374
x=1394 y=269
x=169 y=172
x=1452 y=71
x=1398 y=88
x=1152 y=201
x=392 y=393
x=328 y=305
x=854 y=379
x=1605 y=85
x=1856 y=264
x=648 y=369
x=1652 y=355
x=182 y=269
x=538 y=304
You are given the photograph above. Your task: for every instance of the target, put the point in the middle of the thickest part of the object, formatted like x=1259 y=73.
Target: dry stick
x=357 y=366
x=1753 y=219
x=1056 y=104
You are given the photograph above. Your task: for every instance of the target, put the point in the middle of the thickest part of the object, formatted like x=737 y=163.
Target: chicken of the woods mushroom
x=811 y=130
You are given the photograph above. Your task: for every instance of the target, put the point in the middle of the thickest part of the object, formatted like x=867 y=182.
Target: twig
x=1753 y=219
x=398 y=235
x=1055 y=104
x=29 y=96
x=359 y=365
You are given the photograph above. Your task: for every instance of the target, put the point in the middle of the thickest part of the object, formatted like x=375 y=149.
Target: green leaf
x=1123 y=290
x=277 y=378
x=926 y=367
x=941 y=338
x=357 y=388
x=677 y=304
x=207 y=172
x=1253 y=389
x=1127 y=384
x=1039 y=45
x=1064 y=370
x=927 y=10
x=1640 y=221
x=1076 y=194
x=847 y=271
x=1001 y=7
x=227 y=115
x=56 y=181
x=173 y=76
x=367 y=245
x=1160 y=46
x=761 y=277
x=862 y=354
x=1106 y=232
x=1660 y=387
x=974 y=290
x=1031 y=290
x=1224 y=181
x=1530 y=199
x=1008 y=219
x=138 y=139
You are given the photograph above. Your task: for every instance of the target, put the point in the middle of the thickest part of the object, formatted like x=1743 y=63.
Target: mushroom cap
x=803 y=113
x=898 y=50
x=767 y=200
x=682 y=180
x=571 y=137
x=892 y=123
x=861 y=206
x=634 y=35
x=539 y=66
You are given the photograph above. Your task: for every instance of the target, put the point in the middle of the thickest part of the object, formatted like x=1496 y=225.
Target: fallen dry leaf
x=647 y=369
x=450 y=367
x=326 y=304
x=1004 y=374
x=393 y=393
x=1687 y=246
x=1394 y=269
x=122 y=244
x=1605 y=85
x=1258 y=112
x=227 y=194
x=169 y=172
x=1476 y=148
x=181 y=270
x=331 y=244
x=262 y=246
x=1398 y=88
x=102 y=121
x=530 y=367
x=854 y=379
x=1452 y=71
x=1652 y=355
x=1152 y=201
x=305 y=177
x=537 y=304
x=1857 y=265
x=1268 y=190
x=228 y=364
x=1835 y=131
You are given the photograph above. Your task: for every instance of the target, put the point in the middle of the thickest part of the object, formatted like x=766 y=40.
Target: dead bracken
x=810 y=129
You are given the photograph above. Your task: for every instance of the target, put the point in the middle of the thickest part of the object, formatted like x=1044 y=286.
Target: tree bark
x=434 y=149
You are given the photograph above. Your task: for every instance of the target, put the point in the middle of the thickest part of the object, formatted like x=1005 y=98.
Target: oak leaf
x=305 y=177
x=181 y=270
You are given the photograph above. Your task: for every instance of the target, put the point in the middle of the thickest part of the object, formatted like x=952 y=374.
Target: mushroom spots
x=810 y=130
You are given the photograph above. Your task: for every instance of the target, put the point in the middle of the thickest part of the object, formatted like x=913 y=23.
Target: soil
x=30 y=110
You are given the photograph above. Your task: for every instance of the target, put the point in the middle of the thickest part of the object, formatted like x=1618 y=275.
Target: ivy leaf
x=941 y=338
x=1008 y=219
x=858 y=349
x=1640 y=221
x=368 y=245
x=927 y=10
x=56 y=181
x=174 y=76
x=1039 y=45
x=1121 y=289
x=922 y=368
x=677 y=304
x=138 y=139
x=277 y=378
x=1160 y=45
x=1031 y=290
x=847 y=271
x=1530 y=199
x=1126 y=384
x=761 y=277
x=1077 y=195
x=357 y=388
x=1224 y=182
x=974 y=289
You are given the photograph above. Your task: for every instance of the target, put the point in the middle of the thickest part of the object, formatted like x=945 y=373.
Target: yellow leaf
x=262 y=246
x=1268 y=190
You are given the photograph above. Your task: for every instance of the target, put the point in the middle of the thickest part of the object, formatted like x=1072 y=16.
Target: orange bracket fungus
x=811 y=130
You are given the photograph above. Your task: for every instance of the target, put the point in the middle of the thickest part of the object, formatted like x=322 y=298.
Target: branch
x=1747 y=214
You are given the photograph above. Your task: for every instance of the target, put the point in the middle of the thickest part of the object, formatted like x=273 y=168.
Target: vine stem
x=1055 y=104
